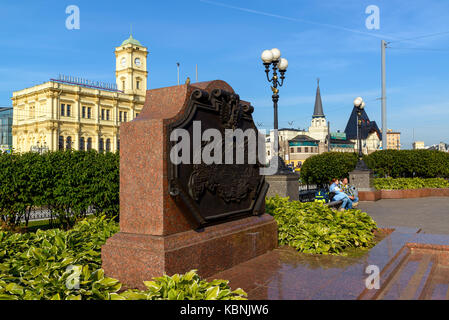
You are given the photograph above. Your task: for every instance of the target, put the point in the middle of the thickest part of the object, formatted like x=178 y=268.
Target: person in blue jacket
x=340 y=195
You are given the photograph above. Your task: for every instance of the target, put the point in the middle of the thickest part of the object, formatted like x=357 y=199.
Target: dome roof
x=131 y=40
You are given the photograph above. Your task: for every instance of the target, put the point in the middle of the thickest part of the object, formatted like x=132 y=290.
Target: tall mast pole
x=384 y=98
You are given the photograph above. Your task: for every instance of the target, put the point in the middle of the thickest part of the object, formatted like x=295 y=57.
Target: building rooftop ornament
x=132 y=41
x=318 y=110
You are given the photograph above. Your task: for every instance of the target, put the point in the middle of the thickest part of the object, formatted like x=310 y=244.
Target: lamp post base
x=361 y=165
x=282 y=167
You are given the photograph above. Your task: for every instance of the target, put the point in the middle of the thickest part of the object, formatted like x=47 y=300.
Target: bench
x=309 y=196
x=334 y=204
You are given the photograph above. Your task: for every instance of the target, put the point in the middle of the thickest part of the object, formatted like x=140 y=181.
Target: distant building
x=371 y=136
x=318 y=128
x=301 y=147
x=393 y=140
x=74 y=113
x=417 y=145
x=6 y=119
x=440 y=147
x=298 y=145
x=340 y=143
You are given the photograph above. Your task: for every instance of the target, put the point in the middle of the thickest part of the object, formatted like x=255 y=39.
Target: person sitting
x=340 y=195
x=351 y=191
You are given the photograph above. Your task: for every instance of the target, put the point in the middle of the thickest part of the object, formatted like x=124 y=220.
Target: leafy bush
x=320 y=169
x=312 y=227
x=65 y=182
x=409 y=163
x=409 y=183
x=183 y=287
x=40 y=265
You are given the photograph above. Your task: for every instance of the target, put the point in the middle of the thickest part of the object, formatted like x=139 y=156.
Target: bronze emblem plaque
x=217 y=192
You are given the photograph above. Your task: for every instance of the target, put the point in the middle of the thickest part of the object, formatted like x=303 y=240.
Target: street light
x=40 y=149
x=359 y=104
x=272 y=58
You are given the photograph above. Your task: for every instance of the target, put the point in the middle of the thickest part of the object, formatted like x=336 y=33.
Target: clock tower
x=131 y=67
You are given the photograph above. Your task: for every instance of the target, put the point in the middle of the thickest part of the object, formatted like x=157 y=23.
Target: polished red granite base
x=370 y=195
x=412 y=266
x=134 y=258
x=403 y=194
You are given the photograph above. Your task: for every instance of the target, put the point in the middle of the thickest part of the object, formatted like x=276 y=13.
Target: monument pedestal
x=175 y=217
x=362 y=180
x=284 y=185
x=134 y=258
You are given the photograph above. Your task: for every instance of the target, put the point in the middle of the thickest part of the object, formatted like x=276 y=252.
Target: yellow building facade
x=75 y=114
x=393 y=140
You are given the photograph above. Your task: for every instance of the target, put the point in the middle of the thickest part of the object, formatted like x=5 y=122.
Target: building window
x=89 y=112
x=68 y=110
x=118 y=144
x=123 y=85
x=68 y=143
x=137 y=114
x=125 y=116
x=83 y=114
x=107 y=114
x=108 y=145
x=81 y=144
x=102 y=114
x=306 y=149
x=298 y=149
x=292 y=150
x=89 y=144
x=101 y=145
x=137 y=84
x=61 y=143
x=62 y=109
x=120 y=116
x=268 y=152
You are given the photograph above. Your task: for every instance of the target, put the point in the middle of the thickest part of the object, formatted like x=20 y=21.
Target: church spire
x=318 y=110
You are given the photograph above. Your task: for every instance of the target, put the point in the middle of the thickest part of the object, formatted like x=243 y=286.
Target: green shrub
x=409 y=183
x=65 y=182
x=409 y=163
x=320 y=169
x=40 y=265
x=315 y=228
x=183 y=287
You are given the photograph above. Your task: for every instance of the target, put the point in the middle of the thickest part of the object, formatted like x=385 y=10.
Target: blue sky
x=326 y=39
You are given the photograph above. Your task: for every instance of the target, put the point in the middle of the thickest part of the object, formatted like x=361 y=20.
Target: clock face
x=137 y=62
x=123 y=61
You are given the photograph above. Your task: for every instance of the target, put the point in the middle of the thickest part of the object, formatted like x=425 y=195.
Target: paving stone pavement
x=430 y=214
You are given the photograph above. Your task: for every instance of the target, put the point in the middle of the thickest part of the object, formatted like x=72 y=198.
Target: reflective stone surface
x=411 y=265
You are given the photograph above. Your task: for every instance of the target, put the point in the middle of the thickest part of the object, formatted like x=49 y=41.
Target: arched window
x=89 y=144
x=81 y=144
x=68 y=143
x=108 y=145
x=101 y=145
x=61 y=143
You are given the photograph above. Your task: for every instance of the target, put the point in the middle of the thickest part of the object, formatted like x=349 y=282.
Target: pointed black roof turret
x=367 y=126
x=318 y=110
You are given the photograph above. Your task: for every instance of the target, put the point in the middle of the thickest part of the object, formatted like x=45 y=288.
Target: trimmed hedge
x=320 y=169
x=65 y=182
x=409 y=163
x=409 y=183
